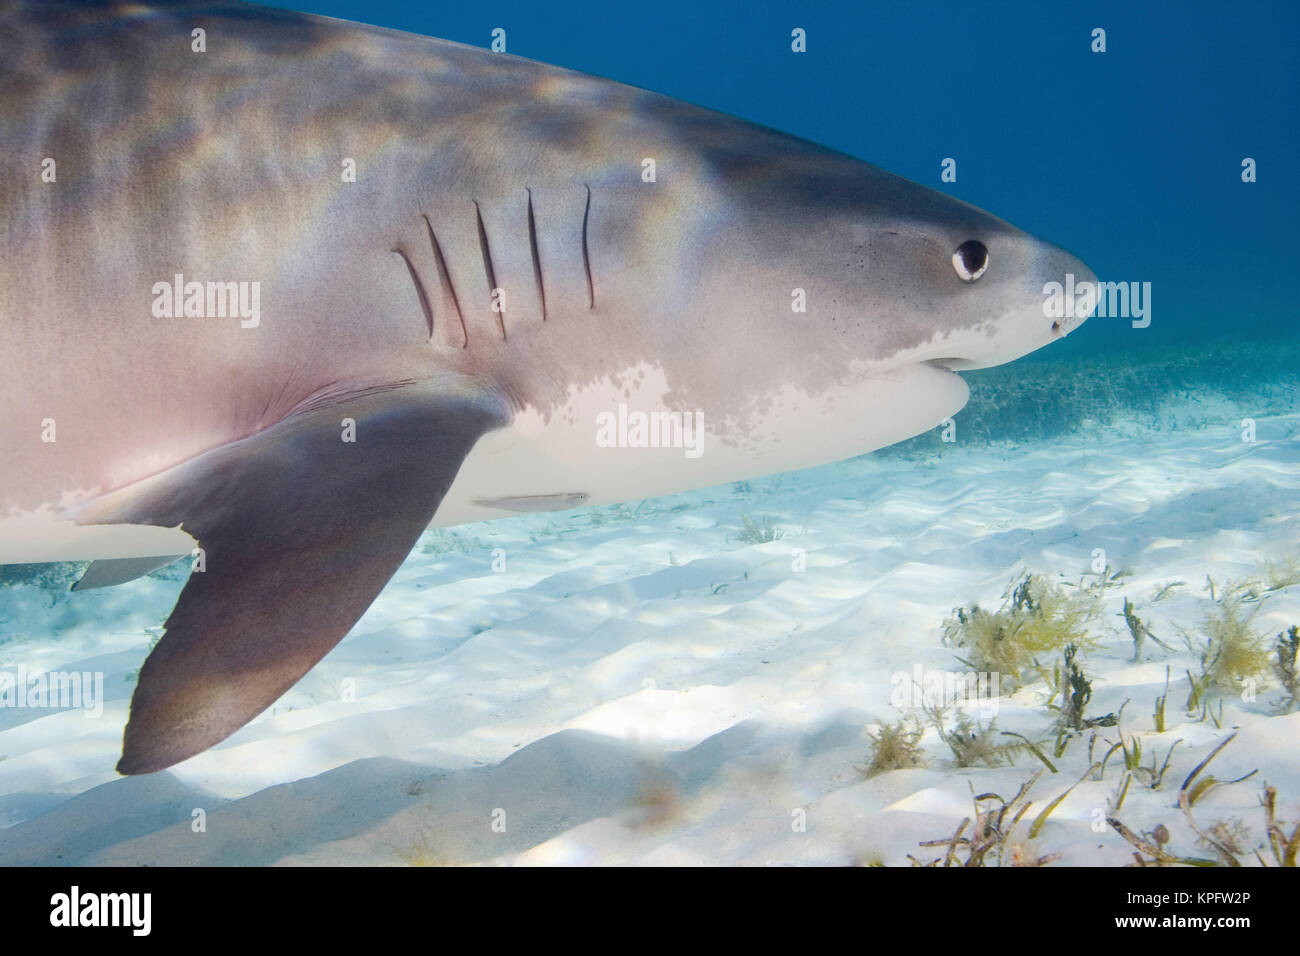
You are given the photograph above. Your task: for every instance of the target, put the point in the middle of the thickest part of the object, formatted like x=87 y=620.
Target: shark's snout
x=1035 y=298
x=1070 y=308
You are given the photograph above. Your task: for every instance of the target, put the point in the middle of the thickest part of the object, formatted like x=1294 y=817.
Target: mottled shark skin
x=438 y=340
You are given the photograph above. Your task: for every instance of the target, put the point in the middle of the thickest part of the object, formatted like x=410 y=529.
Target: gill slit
x=586 y=255
x=419 y=289
x=537 y=258
x=444 y=277
x=487 y=267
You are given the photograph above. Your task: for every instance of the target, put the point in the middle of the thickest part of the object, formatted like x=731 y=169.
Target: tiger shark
x=279 y=292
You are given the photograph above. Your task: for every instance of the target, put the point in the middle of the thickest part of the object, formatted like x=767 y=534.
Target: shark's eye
x=970 y=260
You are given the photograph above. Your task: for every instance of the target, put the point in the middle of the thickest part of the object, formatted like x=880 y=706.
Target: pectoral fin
x=299 y=529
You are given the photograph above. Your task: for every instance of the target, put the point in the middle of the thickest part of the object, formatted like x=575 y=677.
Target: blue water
x=1130 y=158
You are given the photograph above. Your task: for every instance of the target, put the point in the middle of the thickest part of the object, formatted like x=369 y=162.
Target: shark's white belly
x=595 y=450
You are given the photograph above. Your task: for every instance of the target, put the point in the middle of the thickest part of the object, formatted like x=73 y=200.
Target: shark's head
x=946 y=282
x=878 y=270
x=824 y=304
x=956 y=287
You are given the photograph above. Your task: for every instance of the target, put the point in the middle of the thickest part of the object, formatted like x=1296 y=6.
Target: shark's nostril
x=1058 y=328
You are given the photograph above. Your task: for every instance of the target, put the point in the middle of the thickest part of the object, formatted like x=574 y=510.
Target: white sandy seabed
x=639 y=685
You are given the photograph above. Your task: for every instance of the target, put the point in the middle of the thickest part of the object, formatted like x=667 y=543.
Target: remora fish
x=213 y=332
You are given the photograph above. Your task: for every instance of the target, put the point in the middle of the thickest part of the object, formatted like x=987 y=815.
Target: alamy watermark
x=633 y=429
x=128 y=910
x=1119 y=300
x=57 y=690
x=208 y=300
x=935 y=688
